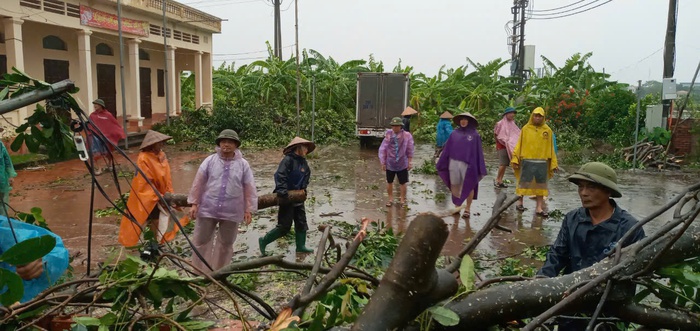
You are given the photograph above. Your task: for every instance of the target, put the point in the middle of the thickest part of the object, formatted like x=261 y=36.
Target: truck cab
x=380 y=97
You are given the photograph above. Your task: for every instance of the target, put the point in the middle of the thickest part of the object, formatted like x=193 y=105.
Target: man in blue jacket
x=40 y=274
x=590 y=233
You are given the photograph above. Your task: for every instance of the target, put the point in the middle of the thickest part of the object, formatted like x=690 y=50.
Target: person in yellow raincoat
x=143 y=203
x=534 y=161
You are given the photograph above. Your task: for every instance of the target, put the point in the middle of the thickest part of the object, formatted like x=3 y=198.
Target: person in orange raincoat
x=143 y=203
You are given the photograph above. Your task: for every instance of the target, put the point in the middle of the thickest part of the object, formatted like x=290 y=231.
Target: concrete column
x=208 y=88
x=133 y=82
x=172 y=81
x=198 y=90
x=84 y=81
x=15 y=52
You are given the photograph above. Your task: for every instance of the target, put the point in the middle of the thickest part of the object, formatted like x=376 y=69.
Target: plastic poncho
x=396 y=149
x=7 y=171
x=143 y=199
x=55 y=263
x=535 y=143
x=462 y=148
x=444 y=129
x=507 y=134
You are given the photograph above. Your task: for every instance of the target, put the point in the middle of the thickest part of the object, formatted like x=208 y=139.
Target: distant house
x=55 y=40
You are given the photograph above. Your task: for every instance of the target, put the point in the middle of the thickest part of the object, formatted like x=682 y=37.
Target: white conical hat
x=153 y=137
x=446 y=115
x=409 y=111
x=297 y=141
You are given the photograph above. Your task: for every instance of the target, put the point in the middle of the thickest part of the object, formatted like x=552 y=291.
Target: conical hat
x=409 y=111
x=152 y=138
x=297 y=141
x=446 y=115
x=468 y=115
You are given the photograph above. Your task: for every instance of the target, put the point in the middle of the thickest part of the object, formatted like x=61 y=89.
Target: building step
x=134 y=138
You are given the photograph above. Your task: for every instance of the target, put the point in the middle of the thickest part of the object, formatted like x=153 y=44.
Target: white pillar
x=172 y=82
x=84 y=81
x=133 y=83
x=198 y=95
x=207 y=89
x=14 y=50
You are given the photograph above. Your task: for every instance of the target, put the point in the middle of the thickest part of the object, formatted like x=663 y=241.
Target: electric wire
x=571 y=14
x=557 y=8
x=564 y=11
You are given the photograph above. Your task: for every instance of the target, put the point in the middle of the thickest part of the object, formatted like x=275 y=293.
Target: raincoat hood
x=539 y=111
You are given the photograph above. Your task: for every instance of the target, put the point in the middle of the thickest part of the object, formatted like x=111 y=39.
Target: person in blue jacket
x=590 y=233
x=40 y=274
x=444 y=129
x=293 y=173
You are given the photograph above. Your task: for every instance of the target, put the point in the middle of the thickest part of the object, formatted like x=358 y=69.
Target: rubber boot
x=301 y=242
x=269 y=237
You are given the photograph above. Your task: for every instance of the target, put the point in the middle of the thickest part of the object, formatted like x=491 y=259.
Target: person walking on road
x=293 y=173
x=507 y=134
x=444 y=129
x=406 y=118
x=110 y=128
x=396 y=158
x=223 y=195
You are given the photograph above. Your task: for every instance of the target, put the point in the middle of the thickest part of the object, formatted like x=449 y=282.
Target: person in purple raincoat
x=396 y=157
x=223 y=195
x=461 y=165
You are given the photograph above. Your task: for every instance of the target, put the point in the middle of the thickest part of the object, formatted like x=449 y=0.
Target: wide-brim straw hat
x=153 y=137
x=468 y=115
x=599 y=173
x=446 y=115
x=299 y=141
x=409 y=111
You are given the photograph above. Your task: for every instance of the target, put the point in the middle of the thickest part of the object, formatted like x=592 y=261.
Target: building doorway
x=56 y=71
x=145 y=79
x=106 y=86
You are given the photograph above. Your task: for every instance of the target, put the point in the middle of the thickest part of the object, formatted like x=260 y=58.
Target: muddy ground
x=346 y=180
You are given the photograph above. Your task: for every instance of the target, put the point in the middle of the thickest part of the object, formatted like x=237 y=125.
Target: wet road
x=346 y=180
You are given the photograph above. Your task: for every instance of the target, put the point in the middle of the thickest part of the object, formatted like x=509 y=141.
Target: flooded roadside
x=348 y=183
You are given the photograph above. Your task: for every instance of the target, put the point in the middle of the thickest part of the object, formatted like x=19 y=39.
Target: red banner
x=99 y=19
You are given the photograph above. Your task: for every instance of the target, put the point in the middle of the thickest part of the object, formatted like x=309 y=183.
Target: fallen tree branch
x=411 y=284
x=264 y=200
x=657 y=318
x=320 y=251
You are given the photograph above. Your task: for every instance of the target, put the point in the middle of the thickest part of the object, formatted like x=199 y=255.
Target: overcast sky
x=625 y=36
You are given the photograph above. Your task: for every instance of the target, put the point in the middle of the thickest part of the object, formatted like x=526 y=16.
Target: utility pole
x=670 y=52
x=121 y=73
x=521 y=51
x=278 y=29
x=165 y=72
x=517 y=42
x=296 y=42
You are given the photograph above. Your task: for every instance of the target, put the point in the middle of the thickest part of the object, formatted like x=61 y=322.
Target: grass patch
x=27 y=159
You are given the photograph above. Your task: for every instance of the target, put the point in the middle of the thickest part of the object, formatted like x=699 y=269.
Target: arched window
x=104 y=49
x=143 y=55
x=53 y=42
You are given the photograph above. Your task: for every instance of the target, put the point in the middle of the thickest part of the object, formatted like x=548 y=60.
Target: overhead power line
x=565 y=11
x=562 y=7
x=571 y=14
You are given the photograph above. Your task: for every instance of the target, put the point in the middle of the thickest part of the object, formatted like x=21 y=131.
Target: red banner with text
x=99 y=19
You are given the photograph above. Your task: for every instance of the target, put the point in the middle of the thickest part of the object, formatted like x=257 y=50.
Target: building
x=78 y=40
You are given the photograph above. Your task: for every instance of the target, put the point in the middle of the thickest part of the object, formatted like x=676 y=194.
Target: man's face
x=302 y=150
x=396 y=128
x=96 y=107
x=510 y=116
x=592 y=195
x=537 y=119
x=463 y=122
x=227 y=146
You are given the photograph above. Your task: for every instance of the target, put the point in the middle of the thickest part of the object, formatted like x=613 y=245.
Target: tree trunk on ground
x=264 y=201
x=411 y=284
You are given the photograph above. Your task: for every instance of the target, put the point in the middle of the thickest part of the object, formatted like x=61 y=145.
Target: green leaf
x=47 y=132
x=32 y=143
x=4 y=92
x=17 y=143
x=15 y=288
x=444 y=316
x=466 y=272
x=197 y=325
x=108 y=319
x=87 y=321
x=28 y=250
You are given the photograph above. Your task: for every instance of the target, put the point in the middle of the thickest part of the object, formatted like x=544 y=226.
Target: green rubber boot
x=301 y=243
x=269 y=237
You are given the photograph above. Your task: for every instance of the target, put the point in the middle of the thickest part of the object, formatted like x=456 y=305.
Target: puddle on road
x=345 y=180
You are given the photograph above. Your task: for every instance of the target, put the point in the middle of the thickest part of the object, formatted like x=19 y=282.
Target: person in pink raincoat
x=105 y=121
x=223 y=195
x=507 y=134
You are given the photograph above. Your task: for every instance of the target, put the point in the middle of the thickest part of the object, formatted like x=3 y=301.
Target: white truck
x=380 y=97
